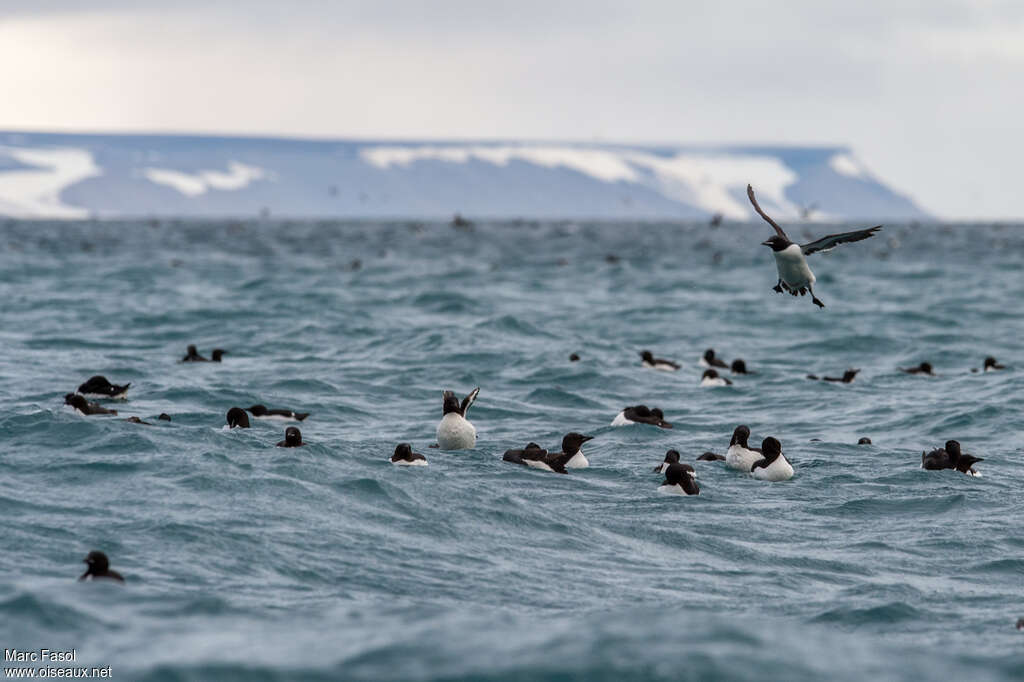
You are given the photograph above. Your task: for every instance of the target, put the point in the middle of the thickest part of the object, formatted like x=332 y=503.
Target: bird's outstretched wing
x=833 y=240
x=750 y=193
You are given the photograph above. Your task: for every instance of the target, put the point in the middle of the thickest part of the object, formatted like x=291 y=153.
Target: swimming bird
x=711 y=457
x=990 y=365
x=740 y=367
x=136 y=420
x=774 y=466
x=679 y=481
x=740 y=455
x=455 y=432
x=292 y=438
x=574 y=357
x=83 y=406
x=216 y=353
x=261 y=412
x=98 y=566
x=710 y=360
x=864 y=441
x=193 y=356
x=658 y=363
x=238 y=417
x=847 y=378
x=950 y=457
x=404 y=456
x=711 y=378
x=790 y=259
x=557 y=462
x=164 y=417
x=923 y=368
x=99 y=387
x=672 y=457
x=531 y=451
x=641 y=414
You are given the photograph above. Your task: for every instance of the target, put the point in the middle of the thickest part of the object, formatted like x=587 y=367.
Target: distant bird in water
x=740 y=455
x=923 y=368
x=237 y=418
x=657 y=363
x=847 y=378
x=641 y=414
x=261 y=412
x=292 y=438
x=559 y=462
x=136 y=420
x=709 y=359
x=740 y=367
x=460 y=223
x=990 y=365
x=98 y=567
x=574 y=358
x=1020 y=623
x=99 y=387
x=194 y=356
x=164 y=417
x=672 y=457
x=404 y=456
x=950 y=457
x=455 y=432
x=790 y=259
x=864 y=441
x=711 y=378
x=710 y=457
x=83 y=406
x=679 y=481
x=774 y=466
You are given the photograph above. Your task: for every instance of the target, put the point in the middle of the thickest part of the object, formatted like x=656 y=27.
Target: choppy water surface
x=249 y=562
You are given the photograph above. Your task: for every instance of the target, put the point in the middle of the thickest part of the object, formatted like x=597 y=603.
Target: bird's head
x=777 y=243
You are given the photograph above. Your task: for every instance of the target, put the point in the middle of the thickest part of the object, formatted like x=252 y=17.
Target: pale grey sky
x=927 y=93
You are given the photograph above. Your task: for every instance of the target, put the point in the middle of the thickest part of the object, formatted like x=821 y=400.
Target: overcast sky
x=928 y=93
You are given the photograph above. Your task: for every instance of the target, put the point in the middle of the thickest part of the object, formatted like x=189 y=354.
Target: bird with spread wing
x=790 y=258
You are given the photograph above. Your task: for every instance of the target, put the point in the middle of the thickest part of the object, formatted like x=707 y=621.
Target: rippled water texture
x=249 y=562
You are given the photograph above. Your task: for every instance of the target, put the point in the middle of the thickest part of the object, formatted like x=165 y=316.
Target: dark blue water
x=249 y=562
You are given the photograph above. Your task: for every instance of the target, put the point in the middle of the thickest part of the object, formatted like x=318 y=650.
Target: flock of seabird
x=456 y=432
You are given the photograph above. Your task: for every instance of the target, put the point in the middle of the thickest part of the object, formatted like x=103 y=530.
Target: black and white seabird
x=709 y=359
x=83 y=406
x=98 y=567
x=238 y=418
x=774 y=466
x=990 y=365
x=740 y=455
x=740 y=367
x=99 y=387
x=261 y=412
x=404 y=456
x=712 y=378
x=455 y=432
x=950 y=457
x=679 y=481
x=641 y=414
x=672 y=457
x=292 y=438
x=847 y=378
x=923 y=368
x=711 y=457
x=790 y=259
x=569 y=456
x=658 y=363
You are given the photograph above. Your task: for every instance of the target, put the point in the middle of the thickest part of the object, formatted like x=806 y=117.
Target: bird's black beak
x=586 y=438
x=766 y=243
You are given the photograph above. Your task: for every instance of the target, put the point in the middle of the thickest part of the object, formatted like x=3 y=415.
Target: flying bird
x=790 y=258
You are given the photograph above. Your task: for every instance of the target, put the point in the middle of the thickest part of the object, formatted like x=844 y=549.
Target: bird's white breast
x=578 y=461
x=455 y=432
x=276 y=418
x=663 y=366
x=792 y=266
x=413 y=463
x=713 y=381
x=779 y=470
x=620 y=420
x=674 y=489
